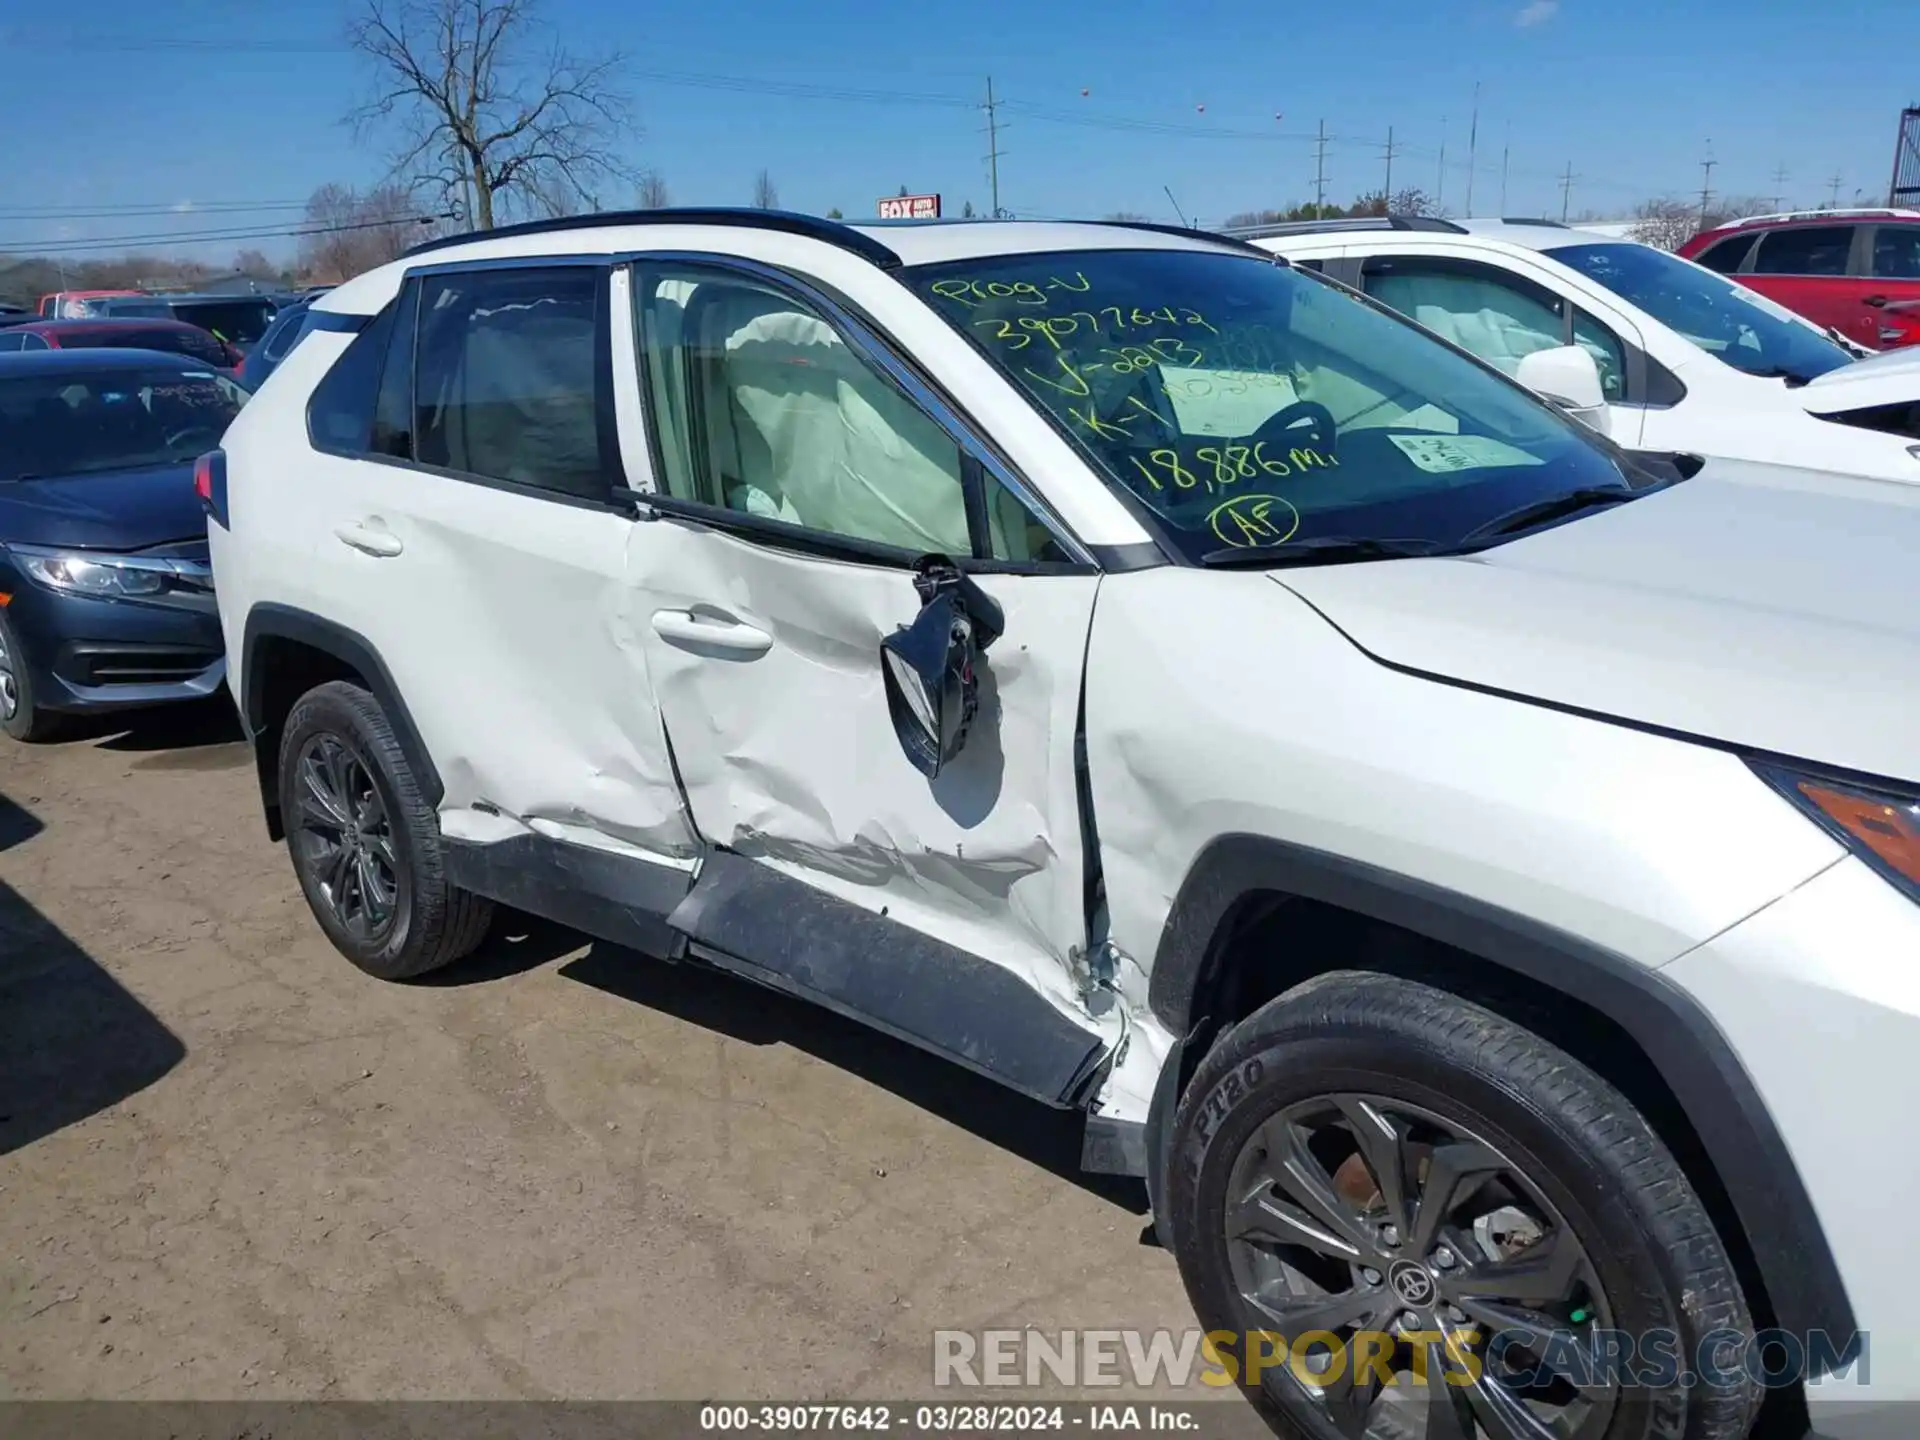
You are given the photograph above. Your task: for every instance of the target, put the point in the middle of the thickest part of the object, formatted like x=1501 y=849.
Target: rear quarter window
x=340 y=412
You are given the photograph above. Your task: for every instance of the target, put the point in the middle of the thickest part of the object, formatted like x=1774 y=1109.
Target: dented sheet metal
x=788 y=755
x=533 y=694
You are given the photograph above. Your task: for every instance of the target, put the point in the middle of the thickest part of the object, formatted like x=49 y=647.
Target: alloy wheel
x=345 y=837
x=1387 y=1227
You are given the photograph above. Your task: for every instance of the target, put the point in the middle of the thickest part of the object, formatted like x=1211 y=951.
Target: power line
x=32 y=248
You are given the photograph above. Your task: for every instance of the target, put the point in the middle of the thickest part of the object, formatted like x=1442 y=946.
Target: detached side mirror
x=1567 y=376
x=928 y=666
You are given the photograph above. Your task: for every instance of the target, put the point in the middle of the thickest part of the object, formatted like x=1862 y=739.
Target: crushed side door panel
x=788 y=756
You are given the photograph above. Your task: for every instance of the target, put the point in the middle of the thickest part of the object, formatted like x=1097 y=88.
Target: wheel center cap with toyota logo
x=1412 y=1283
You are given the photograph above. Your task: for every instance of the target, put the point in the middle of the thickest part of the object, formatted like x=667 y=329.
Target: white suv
x=1471 y=876
x=1686 y=359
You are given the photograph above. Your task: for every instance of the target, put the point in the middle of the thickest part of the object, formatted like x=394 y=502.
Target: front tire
x=21 y=716
x=366 y=846
x=1367 y=1158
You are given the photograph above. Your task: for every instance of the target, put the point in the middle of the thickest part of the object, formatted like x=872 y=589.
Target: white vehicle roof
x=914 y=243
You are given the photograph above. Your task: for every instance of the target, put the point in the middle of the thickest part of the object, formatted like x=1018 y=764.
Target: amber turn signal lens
x=1889 y=828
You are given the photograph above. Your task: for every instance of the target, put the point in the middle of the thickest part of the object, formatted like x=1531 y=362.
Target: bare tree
x=1128 y=217
x=765 y=197
x=1668 y=223
x=254 y=265
x=652 y=193
x=966 y=210
x=346 y=231
x=489 y=112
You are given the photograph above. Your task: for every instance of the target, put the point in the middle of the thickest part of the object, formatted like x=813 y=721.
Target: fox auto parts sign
x=910 y=207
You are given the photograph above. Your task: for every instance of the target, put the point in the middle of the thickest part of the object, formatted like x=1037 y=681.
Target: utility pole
x=1833 y=201
x=1320 y=172
x=1386 y=193
x=1506 y=154
x=993 y=149
x=1778 y=198
x=1566 y=192
x=1440 y=185
x=1706 y=184
x=1473 y=145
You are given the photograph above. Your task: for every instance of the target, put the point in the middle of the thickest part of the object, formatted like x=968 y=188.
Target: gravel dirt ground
x=233 y=1167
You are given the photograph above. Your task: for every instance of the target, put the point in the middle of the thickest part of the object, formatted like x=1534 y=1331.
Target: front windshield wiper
x=1793 y=378
x=1554 y=507
x=1320 y=550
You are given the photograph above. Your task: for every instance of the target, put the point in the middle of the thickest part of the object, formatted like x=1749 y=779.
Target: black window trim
x=978 y=457
x=618 y=499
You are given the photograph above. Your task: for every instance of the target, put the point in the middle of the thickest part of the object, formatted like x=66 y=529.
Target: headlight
x=1879 y=825
x=111 y=577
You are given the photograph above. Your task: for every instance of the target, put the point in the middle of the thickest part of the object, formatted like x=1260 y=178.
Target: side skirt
x=752 y=921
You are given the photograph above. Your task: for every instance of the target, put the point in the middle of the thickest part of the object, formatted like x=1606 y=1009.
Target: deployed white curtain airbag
x=801 y=430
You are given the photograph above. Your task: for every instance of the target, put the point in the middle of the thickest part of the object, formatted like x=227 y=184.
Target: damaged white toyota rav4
x=1472 y=873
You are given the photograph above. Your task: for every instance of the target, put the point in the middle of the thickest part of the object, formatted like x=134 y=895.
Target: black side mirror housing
x=928 y=666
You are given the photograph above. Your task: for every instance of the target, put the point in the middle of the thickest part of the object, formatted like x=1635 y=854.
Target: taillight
x=210 y=484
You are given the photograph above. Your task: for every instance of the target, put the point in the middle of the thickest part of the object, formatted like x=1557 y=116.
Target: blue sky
x=153 y=103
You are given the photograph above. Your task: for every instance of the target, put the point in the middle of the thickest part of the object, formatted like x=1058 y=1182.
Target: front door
x=799 y=480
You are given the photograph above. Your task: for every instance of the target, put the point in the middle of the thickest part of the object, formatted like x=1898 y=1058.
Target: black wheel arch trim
x=267 y=621
x=1685 y=1046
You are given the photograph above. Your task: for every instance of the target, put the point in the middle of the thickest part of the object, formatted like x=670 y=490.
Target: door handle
x=371 y=541
x=702 y=632
x=1876 y=301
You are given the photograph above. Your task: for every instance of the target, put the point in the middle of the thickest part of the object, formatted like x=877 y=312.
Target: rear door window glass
x=507 y=377
x=1805 y=250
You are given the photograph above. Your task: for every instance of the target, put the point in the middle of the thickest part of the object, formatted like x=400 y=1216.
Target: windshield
x=1728 y=321
x=1246 y=403
x=130 y=309
x=241 y=322
x=78 y=424
x=194 y=344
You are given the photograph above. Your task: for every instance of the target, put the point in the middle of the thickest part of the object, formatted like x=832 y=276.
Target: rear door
x=470 y=529
x=1893 y=291
x=1817 y=271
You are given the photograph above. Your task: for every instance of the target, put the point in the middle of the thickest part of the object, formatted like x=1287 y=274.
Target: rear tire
x=1561 y=1209
x=366 y=847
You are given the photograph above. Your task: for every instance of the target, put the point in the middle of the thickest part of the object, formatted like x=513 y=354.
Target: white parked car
x=1686 y=359
x=1473 y=880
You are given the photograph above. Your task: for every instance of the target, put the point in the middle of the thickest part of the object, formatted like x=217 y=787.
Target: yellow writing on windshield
x=1208 y=467
x=1253 y=520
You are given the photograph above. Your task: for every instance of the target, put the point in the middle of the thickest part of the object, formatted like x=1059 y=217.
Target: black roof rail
x=1216 y=236
x=786 y=221
x=1533 y=220
x=1350 y=222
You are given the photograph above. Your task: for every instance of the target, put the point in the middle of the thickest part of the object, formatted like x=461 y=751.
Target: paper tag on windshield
x=1442 y=454
x=1225 y=402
